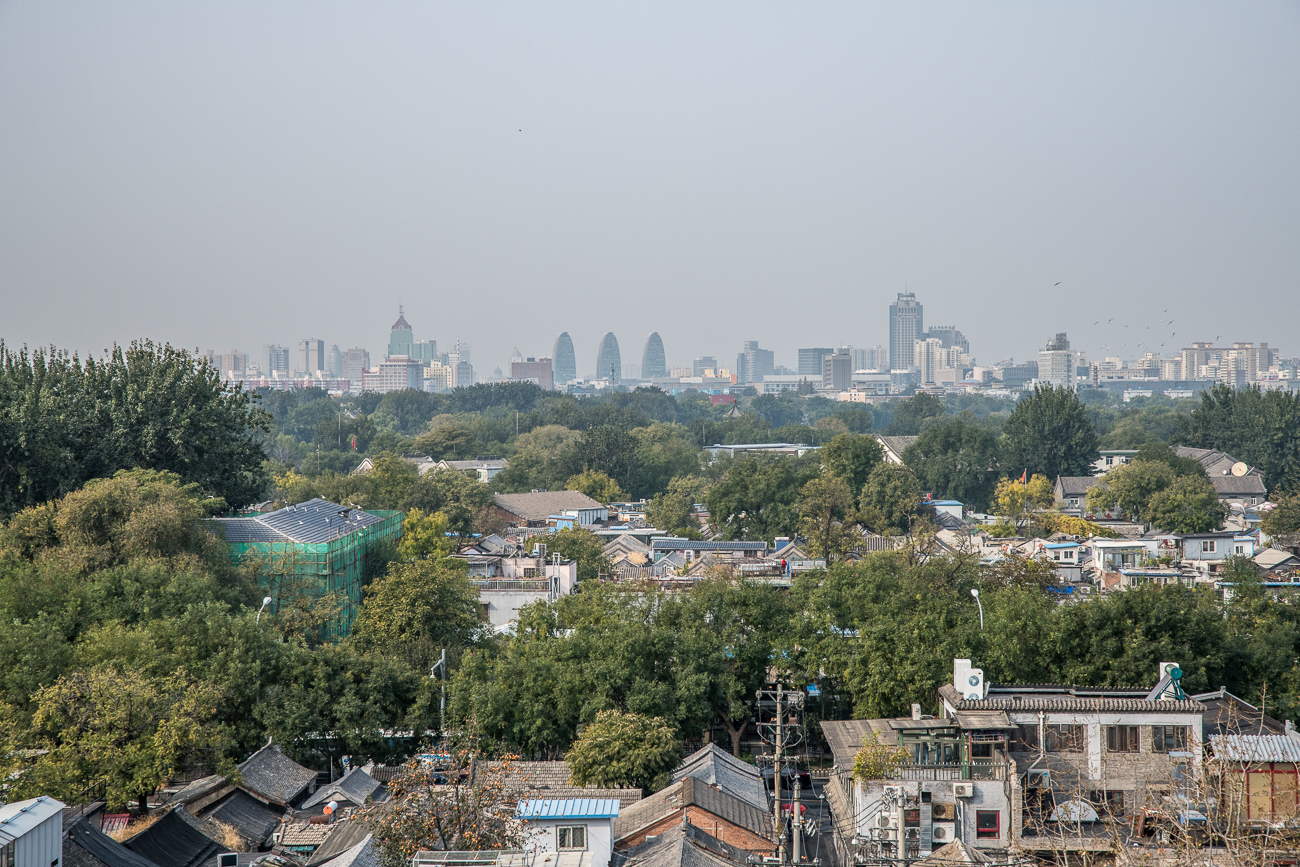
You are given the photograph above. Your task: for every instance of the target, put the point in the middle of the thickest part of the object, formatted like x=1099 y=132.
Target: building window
x=571 y=837
x=1026 y=738
x=1122 y=739
x=981 y=750
x=1209 y=546
x=1108 y=803
x=1074 y=501
x=988 y=824
x=1064 y=738
x=7 y=856
x=1166 y=739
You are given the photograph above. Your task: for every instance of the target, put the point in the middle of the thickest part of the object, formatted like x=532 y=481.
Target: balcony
x=955 y=771
x=512 y=585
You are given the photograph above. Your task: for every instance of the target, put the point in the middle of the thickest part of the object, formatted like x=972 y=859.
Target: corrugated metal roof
x=18 y=818
x=313 y=521
x=569 y=808
x=1256 y=748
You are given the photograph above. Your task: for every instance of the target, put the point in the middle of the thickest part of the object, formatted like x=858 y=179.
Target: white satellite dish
x=1240 y=468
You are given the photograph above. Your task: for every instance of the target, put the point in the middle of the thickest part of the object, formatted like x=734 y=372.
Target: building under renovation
x=313 y=549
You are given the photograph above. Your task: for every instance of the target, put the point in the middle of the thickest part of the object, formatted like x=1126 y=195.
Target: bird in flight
x=1058 y=283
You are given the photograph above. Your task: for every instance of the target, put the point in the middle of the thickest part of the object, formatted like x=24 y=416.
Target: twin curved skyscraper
x=609 y=360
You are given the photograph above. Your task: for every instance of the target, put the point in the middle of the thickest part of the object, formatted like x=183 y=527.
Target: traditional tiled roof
x=174 y=841
x=1256 y=748
x=1237 y=486
x=1057 y=699
x=274 y=776
x=896 y=445
x=674 y=543
x=540 y=505
x=1076 y=486
x=362 y=854
x=346 y=834
x=84 y=846
x=253 y=820
x=356 y=787
x=719 y=768
x=691 y=792
x=550 y=780
x=684 y=846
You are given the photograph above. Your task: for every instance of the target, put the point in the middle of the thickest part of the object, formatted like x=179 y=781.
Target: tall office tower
x=356 y=362
x=752 y=364
x=837 y=370
x=566 y=363
x=949 y=337
x=424 y=350
x=609 y=364
x=277 y=359
x=335 y=362
x=810 y=360
x=703 y=363
x=311 y=356
x=401 y=337
x=1056 y=363
x=653 y=362
x=906 y=321
x=536 y=370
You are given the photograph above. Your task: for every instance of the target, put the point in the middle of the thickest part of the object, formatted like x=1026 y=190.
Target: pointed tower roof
x=401 y=324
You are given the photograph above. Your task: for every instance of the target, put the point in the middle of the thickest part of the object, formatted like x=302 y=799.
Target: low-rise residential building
x=1109 y=459
x=693 y=801
x=571 y=825
x=1233 y=480
x=483 y=469
x=1071 y=494
x=507 y=581
x=535 y=509
x=894 y=446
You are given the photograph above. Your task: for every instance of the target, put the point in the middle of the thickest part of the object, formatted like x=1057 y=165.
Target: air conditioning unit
x=943 y=832
x=963 y=790
x=941 y=812
x=1038 y=779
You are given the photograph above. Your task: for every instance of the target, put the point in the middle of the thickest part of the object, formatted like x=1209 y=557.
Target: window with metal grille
x=1122 y=739
x=1064 y=738
x=571 y=837
x=1026 y=738
x=1166 y=739
x=988 y=824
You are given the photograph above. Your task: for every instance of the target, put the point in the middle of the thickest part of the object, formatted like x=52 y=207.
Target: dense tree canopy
x=956 y=460
x=1260 y=428
x=1049 y=433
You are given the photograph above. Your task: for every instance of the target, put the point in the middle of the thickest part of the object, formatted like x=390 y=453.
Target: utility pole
x=441 y=667
x=784 y=735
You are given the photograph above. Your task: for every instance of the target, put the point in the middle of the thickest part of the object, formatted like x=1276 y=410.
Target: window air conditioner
x=963 y=790
x=939 y=812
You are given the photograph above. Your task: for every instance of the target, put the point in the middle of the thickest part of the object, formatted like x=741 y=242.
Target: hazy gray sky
x=228 y=174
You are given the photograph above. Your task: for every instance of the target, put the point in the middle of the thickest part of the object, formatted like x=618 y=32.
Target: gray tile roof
x=540 y=505
x=362 y=854
x=174 y=841
x=313 y=521
x=1238 y=486
x=1076 y=486
x=274 y=776
x=346 y=834
x=690 y=792
x=247 y=815
x=684 y=846
x=672 y=543
x=719 y=768
x=1059 y=699
x=356 y=787
x=551 y=780
x=1256 y=748
x=897 y=445
x=84 y=846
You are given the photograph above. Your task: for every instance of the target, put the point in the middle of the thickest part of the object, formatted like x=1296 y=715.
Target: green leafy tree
x=1018 y=501
x=123 y=730
x=911 y=414
x=391 y=482
x=852 y=457
x=624 y=750
x=596 y=485
x=446 y=439
x=1129 y=489
x=416 y=609
x=64 y=421
x=1260 y=428
x=1162 y=453
x=890 y=500
x=425 y=536
x=758 y=497
x=673 y=510
x=1188 y=505
x=956 y=460
x=453 y=493
x=1049 y=434
x=581 y=546
x=825 y=511
x=1284 y=518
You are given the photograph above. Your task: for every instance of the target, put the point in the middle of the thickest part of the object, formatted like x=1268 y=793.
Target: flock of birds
x=1148 y=341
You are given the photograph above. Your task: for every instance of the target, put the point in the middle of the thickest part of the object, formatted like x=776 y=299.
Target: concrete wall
x=600 y=836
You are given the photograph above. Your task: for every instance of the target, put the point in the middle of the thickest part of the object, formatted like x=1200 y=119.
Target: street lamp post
x=265 y=602
x=975 y=591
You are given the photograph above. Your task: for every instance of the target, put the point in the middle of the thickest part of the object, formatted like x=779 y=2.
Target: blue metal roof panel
x=1062 y=545
x=313 y=521
x=569 y=808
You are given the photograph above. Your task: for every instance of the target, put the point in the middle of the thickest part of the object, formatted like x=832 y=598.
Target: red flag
x=1024 y=477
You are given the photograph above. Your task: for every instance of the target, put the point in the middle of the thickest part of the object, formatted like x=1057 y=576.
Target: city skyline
x=216 y=176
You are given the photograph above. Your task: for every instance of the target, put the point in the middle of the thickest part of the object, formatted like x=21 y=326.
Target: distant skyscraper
x=311 y=355
x=810 y=360
x=652 y=359
x=950 y=337
x=401 y=337
x=1057 y=363
x=905 y=323
x=536 y=370
x=609 y=363
x=703 y=363
x=752 y=364
x=356 y=361
x=837 y=370
x=335 y=362
x=566 y=363
x=277 y=359
x=875 y=358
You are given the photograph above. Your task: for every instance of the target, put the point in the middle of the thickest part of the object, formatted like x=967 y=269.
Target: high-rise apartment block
x=311 y=356
x=837 y=370
x=810 y=360
x=536 y=370
x=948 y=337
x=752 y=364
x=356 y=362
x=875 y=358
x=906 y=322
x=703 y=363
x=277 y=359
x=1057 y=363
